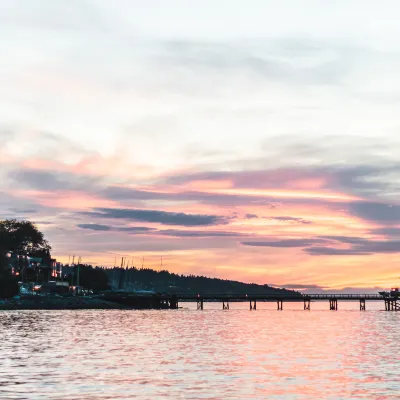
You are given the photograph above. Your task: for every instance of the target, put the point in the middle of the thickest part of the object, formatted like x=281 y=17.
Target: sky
x=252 y=140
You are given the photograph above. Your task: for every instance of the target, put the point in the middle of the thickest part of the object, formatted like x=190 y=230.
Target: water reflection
x=190 y=354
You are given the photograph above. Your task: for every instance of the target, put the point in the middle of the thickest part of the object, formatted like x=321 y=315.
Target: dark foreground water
x=210 y=354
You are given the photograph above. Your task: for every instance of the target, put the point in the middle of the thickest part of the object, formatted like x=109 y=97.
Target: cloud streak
x=284 y=243
x=45 y=180
x=156 y=216
x=291 y=220
x=376 y=212
x=179 y=233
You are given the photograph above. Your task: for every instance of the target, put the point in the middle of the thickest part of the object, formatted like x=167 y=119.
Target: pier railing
x=277 y=296
x=391 y=303
x=344 y=296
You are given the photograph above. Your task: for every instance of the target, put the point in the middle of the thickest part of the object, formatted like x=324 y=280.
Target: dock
x=392 y=303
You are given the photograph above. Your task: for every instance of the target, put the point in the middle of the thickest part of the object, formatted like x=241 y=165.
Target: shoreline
x=56 y=304
x=27 y=302
x=66 y=303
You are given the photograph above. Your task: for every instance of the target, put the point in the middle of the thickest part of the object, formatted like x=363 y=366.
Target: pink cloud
x=91 y=184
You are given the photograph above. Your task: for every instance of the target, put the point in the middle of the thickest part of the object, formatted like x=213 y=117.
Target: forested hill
x=24 y=238
x=166 y=282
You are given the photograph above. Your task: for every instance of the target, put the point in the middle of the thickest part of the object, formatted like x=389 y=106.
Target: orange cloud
x=304 y=211
x=287 y=194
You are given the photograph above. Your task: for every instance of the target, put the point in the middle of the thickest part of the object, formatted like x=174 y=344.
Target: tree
x=3 y=260
x=22 y=237
x=93 y=278
x=8 y=285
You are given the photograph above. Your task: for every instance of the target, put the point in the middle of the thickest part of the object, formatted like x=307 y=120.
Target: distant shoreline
x=54 y=303
x=110 y=301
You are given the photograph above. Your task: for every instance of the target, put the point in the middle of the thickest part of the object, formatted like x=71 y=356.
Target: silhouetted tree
x=22 y=237
x=167 y=282
x=8 y=285
x=3 y=260
x=93 y=278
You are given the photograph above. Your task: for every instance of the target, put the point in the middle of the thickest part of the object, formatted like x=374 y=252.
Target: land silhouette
x=23 y=238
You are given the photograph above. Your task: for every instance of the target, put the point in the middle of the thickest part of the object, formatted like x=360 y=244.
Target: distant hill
x=134 y=279
x=167 y=282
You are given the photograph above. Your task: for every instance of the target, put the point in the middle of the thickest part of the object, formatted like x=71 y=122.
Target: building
x=34 y=269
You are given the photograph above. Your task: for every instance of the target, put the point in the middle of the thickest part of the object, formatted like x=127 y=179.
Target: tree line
x=24 y=238
x=146 y=279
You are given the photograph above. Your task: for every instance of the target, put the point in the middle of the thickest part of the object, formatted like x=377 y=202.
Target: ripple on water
x=188 y=354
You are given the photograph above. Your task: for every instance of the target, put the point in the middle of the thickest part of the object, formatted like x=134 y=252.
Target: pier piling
x=362 y=305
x=333 y=304
x=280 y=304
x=253 y=305
x=392 y=304
x=225 y=306
x=173 y=303
x=307 y=305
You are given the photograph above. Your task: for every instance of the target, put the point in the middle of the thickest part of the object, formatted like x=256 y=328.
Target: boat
x=394 y=292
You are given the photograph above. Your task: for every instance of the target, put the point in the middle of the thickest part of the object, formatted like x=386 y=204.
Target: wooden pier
x=391 y=303
x=171 y=301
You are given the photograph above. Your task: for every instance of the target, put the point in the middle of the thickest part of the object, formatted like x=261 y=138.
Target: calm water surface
x=210 y=354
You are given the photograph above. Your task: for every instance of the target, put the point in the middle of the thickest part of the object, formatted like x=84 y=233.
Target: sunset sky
x=251 y=140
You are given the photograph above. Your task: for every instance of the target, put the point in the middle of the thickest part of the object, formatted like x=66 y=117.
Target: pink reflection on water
x=213 y=354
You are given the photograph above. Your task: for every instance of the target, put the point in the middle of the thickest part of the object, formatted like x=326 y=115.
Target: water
x=210 y=354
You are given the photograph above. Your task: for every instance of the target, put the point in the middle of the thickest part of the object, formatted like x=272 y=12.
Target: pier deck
x=391 y=303
x=268 y=297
